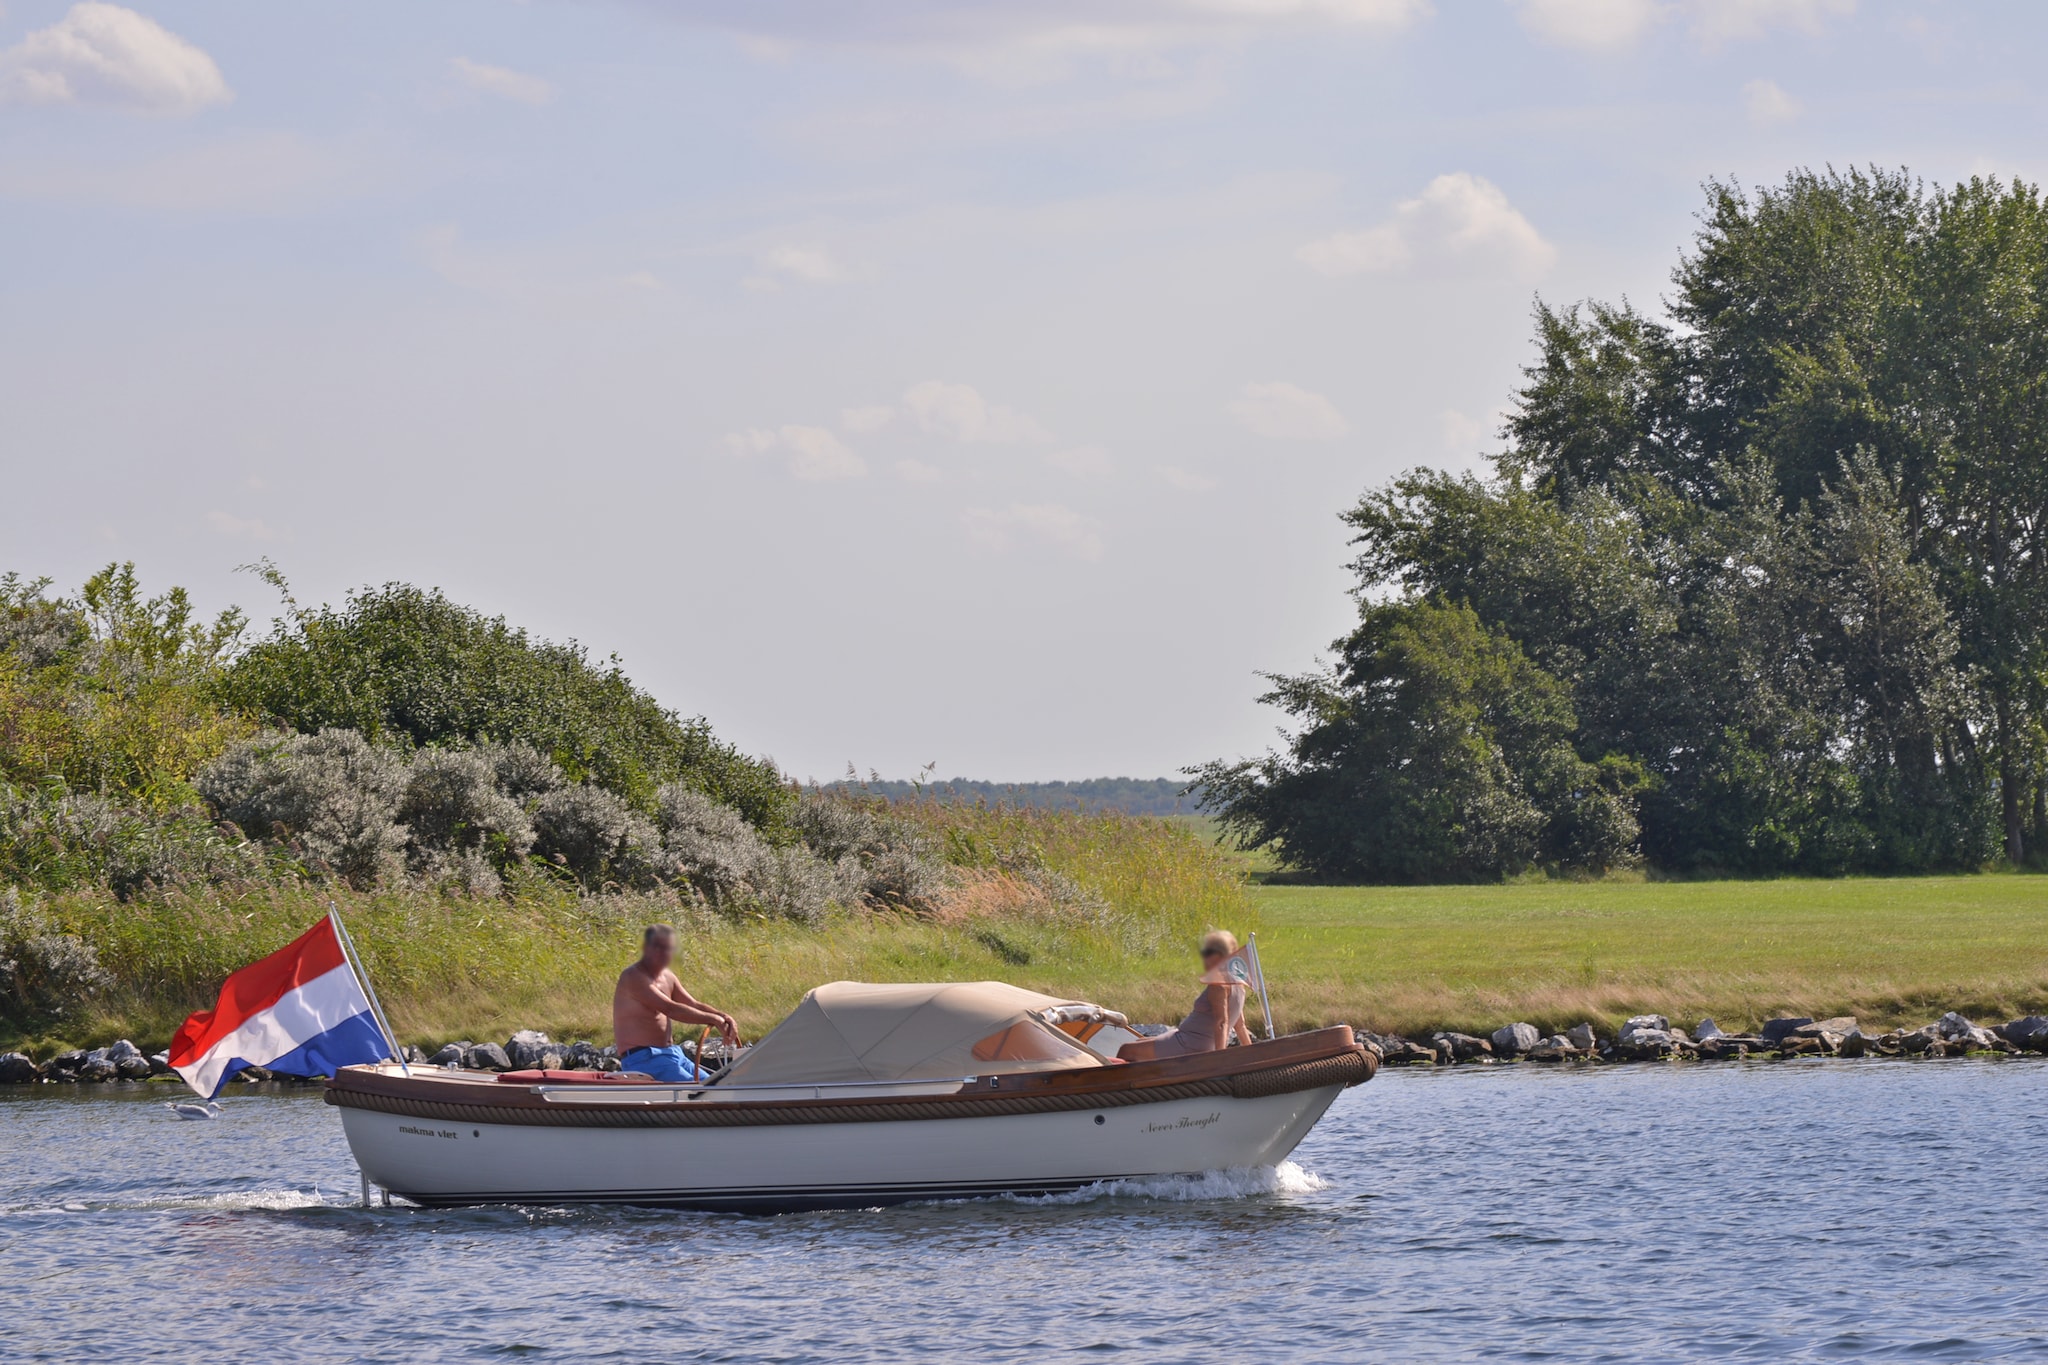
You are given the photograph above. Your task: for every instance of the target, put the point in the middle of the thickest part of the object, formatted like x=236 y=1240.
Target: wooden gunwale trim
x=1171 y=1074
x=1351 y=1066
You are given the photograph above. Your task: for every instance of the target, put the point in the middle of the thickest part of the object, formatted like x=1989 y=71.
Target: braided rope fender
x=1345 y=1069
x=1349 y=1068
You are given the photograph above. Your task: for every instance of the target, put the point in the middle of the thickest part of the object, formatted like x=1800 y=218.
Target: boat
x=865 y=1095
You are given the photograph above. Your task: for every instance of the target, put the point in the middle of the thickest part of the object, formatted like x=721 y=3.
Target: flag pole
x=348 y=948
x=1265 y=1001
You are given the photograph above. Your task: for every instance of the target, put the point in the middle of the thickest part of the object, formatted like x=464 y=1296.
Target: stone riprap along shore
x=1654 y=1038
x=525 y=1050
x=1645 y=1038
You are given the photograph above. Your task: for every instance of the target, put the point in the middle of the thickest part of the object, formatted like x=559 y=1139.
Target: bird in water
x=194 y=1109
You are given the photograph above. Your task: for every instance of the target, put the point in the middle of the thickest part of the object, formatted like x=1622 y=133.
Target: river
x=1765 y=1211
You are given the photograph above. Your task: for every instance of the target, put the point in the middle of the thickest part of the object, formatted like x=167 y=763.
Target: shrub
x=44 y=976
x=55 y=839
x=523 y=772
x=892 y=862
x=453 y=806
x=400 y=664
x=596 y=836
x=333 y=797
x=709 y=846
x=109 y=692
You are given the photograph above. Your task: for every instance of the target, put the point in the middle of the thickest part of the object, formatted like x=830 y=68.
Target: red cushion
x=578 y=1078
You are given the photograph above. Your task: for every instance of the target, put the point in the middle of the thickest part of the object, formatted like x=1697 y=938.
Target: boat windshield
x=1027 y=1040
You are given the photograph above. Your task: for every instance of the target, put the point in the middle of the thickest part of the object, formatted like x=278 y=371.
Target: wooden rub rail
x=1346 y=1068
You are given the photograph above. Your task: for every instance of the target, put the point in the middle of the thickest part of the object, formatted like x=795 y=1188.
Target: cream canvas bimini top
x=853 y=1031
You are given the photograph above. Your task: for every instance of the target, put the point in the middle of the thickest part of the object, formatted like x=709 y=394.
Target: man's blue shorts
x=662 y=1063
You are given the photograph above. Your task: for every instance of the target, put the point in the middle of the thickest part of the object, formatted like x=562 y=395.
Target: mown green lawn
x=1412 y=959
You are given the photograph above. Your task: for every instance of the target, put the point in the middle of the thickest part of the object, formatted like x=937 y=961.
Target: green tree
x=1433 y=750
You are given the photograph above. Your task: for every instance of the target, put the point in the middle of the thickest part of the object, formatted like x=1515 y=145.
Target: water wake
x=1238 y=1182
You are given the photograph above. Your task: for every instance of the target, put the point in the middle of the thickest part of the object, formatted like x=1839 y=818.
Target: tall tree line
x=1759 y=585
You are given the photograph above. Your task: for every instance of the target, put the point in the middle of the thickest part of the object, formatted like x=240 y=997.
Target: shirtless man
x=648 y=1000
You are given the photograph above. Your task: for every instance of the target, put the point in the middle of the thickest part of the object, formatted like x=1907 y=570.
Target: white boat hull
x=817 y=1165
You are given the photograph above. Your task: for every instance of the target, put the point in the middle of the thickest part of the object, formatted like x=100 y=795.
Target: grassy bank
x=1396 y=959
x=1103 y=906
x=1889 y=951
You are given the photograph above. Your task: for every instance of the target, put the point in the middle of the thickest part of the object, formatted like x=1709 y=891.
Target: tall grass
x=1101 y=907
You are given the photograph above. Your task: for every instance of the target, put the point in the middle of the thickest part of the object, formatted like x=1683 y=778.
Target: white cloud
x=1722 y=21
x=241 y=528
x=872 y=418
x=1459 y=221
x=105 y=54
x=1186 y=480
x=1049 y=522
x=1022 y=41
x=1088 y=462
x=1590 y=25
x=961 y=413
x=917 y=471
x=1768 y=105
x=815 y=454
x=1616 y=25
x=1281 y=411
x=501 y=81
x=812 y=265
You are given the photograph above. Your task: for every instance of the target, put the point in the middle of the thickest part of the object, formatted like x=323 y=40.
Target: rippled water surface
x=1793 y=1211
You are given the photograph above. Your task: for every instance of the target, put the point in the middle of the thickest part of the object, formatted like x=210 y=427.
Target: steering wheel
x=703 y=1072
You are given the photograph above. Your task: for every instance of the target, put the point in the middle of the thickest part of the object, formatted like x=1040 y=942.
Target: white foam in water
x=1239 y=1182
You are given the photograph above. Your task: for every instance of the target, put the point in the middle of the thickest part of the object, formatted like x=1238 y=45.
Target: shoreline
x=1644 y=1038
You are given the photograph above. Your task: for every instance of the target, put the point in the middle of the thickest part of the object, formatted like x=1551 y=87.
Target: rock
x=1918 y=1041
x=585 y=1057
x=1512 y=1040
x=1779 y=1029
x=1841 y=1025
x=1397 y=1051
x=160 y=1063
x=1721 y=1047
x=1464 y=1047
x=1582 y=1037
x=1953 y=1028
x=128 y=1060
x=608 y=1062
x=452 y=1055
x=2030 y=1033
x=99 y=1065
x=487 y=1057
x=413 y=1055
x=1707 y=1029
x=17 y=1069
x=1646 y=1038
x=530 y=1050
x=1555 y=1048
x=255 y=1074
x=1854 y=1044
x=1644 y=1044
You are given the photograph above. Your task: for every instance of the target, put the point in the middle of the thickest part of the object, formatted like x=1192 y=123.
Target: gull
x=194 y=1109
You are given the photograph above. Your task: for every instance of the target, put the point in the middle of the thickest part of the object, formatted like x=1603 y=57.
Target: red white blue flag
x=299 y=1012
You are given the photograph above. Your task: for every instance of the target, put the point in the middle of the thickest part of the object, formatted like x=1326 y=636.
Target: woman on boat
x=1218 y=1011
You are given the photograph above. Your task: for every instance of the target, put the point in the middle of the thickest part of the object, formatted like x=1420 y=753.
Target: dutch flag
x=301 y=1012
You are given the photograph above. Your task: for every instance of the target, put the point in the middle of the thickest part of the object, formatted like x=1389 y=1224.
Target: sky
x=893 y=383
